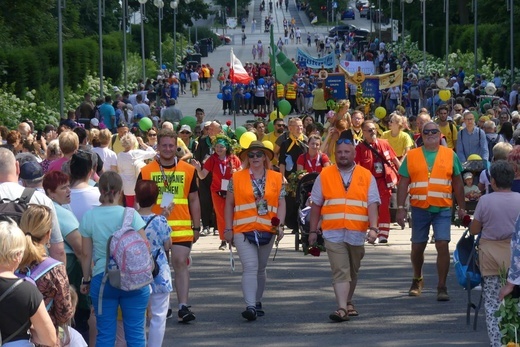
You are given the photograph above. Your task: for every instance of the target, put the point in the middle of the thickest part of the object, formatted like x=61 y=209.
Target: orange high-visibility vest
x=345 y=210
x=430 y=188
x=245 y=217
x=280 y=90
x=179 y=180
x=290 y=93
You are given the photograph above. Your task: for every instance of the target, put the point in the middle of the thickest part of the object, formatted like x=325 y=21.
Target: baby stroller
x=303 y=192
x=465 y=258
x=473 y=167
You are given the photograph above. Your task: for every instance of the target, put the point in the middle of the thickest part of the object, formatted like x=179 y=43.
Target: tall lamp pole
x=174 y=5
x=475 y=19
x=423 y=9
x=142 y=2
x=447 y=39
x=402 y=20
x=391 y=19
x=125 y=16
x=61 y=5
x=160 y=4
x=379 y=19
x=101 y=13
x=510 y=5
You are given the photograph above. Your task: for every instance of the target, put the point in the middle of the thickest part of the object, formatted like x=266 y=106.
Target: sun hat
x=256 y=145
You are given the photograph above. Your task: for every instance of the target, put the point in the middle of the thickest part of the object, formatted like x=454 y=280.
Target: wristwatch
x=374 y=229
x=195 y=228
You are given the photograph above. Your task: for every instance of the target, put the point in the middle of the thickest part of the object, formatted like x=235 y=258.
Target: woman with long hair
x=158 y=234
x=398 y=139
x=96 y=226
x=221 y=164
x=254 y=220
x=36 y=223
x=23 y=305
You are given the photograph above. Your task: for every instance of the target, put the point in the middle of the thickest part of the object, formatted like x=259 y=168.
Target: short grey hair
x=503 y=174
x=428 y=123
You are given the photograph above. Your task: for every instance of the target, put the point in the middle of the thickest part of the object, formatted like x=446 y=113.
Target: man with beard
x=447 y=128
x=173 y=176
x=346 y=216
x=377 y=156
x=430 y=173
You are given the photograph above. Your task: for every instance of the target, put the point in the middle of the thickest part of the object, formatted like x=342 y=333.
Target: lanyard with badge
x=261 y=203
x=314 y=168
x=223 y=164
x=167 y=197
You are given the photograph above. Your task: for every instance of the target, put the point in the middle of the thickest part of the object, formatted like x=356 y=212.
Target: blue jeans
x=133 y=306
x=421 y=221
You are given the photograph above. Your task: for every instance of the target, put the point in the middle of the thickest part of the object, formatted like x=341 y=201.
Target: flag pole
x=232 y=61
x=273 y=71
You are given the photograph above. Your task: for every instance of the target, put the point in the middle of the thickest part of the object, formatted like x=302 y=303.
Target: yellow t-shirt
x=450 y=135
x=398 y=143
x=271 y=137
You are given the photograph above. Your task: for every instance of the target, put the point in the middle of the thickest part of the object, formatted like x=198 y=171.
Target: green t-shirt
x=430 y=159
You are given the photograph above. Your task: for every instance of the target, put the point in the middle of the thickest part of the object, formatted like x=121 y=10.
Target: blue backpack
x=41 y=269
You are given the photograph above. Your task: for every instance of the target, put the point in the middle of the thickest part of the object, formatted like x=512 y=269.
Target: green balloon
x=239 y=131
x=189 y=120
x=145 y=124
x=284 y=106
x=270 y=126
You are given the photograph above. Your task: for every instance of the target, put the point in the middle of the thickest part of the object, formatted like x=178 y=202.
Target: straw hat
x=256 y=145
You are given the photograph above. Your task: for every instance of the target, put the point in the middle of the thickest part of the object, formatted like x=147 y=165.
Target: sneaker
x=416 y=288
x=222 y=246
x=259 y=311
x=432 y=240
x=203 y=232
x=185 y=314
x=382 y=239
x=442 y=294
x=215 y=232
x=249 y=313
x=169 y=314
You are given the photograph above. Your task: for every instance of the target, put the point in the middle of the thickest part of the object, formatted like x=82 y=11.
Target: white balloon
x=442 y=83
x=490 y=88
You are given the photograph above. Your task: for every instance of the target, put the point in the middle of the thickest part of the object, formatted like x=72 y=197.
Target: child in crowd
x=471 y=191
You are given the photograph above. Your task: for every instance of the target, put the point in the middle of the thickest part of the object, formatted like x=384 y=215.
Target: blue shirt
x=227 y=93
x=68 y=223
x=474 y=143
x=106 y=111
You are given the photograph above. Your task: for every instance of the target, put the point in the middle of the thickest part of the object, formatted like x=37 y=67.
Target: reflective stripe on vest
x=345 y=210
x=245 y=216
x=430 y=188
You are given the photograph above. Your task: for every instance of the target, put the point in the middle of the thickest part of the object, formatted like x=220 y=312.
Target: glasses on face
x=280 y=125
x=370 y=130
x=185 y=132
x=457 y=109
x=259 y=154
x=431 y=131
x=345 y=141
x=152 y=134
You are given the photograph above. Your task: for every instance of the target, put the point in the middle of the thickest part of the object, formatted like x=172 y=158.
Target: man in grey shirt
x=171 y=113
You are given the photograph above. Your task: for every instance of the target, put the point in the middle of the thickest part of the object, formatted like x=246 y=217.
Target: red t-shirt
x=221 y=169
x=312 y=164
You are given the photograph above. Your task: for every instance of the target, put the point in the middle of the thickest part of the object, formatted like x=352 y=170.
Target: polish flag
x=238 y=74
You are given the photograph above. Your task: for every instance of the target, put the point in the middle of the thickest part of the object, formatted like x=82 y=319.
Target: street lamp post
x=510 y=5
x=379 y=19
x=475 y=12
x=447 y=39
x=61 y=5
x=391 y=19
x=101 y=11
x=423 y=10
x=142 y=3
x=125 y=72
x=372 y=13
x=174 y=5
x=402 y=20
x=160 y=4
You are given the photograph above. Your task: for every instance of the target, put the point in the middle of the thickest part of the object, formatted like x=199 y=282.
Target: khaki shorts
x=345 y=260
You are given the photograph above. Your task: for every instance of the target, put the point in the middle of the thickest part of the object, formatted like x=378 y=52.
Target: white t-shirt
x=129 y=166
x=12 y=191
x=108 y=156
x=83 y=200
x=75 y=339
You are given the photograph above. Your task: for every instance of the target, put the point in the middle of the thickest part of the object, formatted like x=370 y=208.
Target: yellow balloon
x=268 y=144
x=444 y=94
x=246 y=139
x=380 y=112
x=275 y=115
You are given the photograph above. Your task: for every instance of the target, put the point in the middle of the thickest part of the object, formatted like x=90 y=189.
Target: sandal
x=336 y=316
x=352 y=310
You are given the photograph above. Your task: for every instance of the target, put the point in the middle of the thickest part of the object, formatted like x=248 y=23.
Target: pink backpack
x=128 y=261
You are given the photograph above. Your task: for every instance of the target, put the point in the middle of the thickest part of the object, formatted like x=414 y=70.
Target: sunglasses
x=345 y=141
x=185 y=132
x=255 y=154
x=431 y=131
x=154 y=134
x=280 y=125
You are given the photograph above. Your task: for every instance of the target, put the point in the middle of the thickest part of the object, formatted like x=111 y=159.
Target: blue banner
x=328 y=61
x=337 y=84
x=371 y=89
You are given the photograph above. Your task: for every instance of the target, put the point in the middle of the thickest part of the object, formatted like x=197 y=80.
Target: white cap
x=185 y=127
x=94 y=122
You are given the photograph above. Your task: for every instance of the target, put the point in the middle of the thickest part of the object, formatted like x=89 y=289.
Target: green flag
x=282 y=67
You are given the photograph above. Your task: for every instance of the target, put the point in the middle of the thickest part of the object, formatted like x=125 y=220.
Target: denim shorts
x=421 y=221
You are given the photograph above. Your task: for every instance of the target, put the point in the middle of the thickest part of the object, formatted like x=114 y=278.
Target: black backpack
x=13 y=209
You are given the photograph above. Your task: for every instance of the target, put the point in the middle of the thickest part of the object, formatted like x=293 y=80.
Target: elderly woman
x=129 y=164
x=494 y=219
x=254 y=219
x=36 y=223
x=21 y=302
x=221 y=164
x=96 y=226
x=398 y=139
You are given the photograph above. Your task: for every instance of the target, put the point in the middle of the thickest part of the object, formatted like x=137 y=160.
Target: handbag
x=259 y=238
